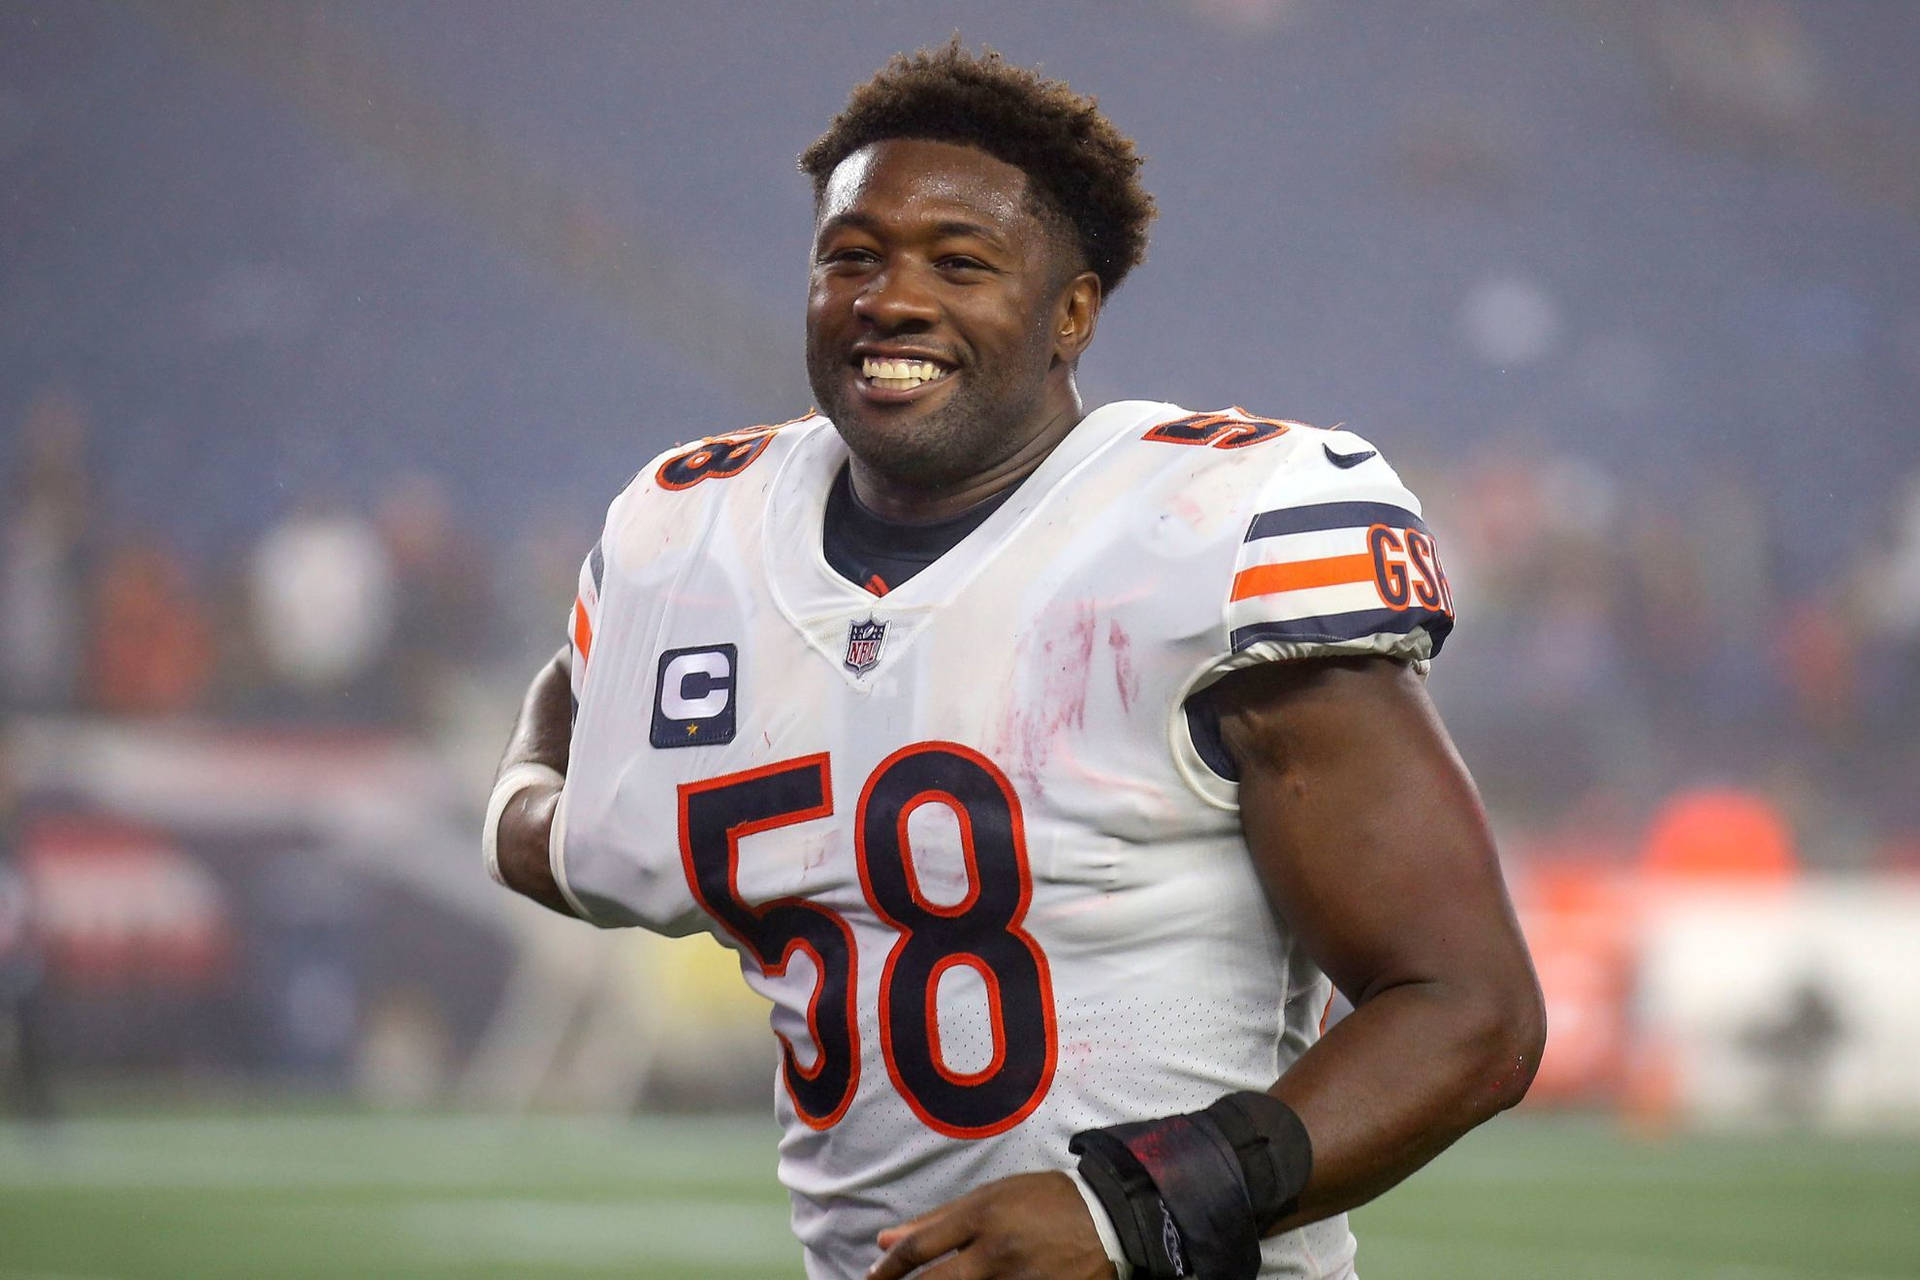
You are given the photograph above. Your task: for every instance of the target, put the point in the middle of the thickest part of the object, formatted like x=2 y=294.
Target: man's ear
x=1075 y=316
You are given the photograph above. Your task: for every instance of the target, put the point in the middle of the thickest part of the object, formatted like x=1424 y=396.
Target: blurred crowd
x=376 y=617
x=1617 y=649
x=1613 y=649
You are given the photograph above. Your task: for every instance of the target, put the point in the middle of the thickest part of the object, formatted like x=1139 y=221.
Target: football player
x=1047 y=768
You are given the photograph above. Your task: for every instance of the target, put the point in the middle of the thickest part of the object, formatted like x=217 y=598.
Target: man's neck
x=906 y=504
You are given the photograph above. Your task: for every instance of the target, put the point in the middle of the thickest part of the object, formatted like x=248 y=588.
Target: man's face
x=931 y=311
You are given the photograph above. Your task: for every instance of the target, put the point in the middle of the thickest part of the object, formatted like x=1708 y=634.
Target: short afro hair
x=1081 y=169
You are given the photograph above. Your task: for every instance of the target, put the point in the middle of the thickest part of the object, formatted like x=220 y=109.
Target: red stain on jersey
x=1126 y=680
x=1069 y=668
x=1066 y=662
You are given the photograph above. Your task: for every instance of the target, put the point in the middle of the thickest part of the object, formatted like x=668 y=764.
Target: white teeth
x=900 y=375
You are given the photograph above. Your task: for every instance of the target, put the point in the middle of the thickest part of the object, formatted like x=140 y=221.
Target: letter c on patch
x=696 y=686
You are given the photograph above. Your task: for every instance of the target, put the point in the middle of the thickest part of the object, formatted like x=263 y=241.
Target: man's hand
x=1032 y=1226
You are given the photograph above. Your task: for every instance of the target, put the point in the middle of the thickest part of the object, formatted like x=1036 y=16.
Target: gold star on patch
x=692 y=729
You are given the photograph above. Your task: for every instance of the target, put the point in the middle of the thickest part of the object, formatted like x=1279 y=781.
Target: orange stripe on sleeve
x=1298 y=575
x=582 y=629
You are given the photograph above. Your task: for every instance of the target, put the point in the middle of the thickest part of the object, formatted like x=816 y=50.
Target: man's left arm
x=528 y=783
x=1371 y=842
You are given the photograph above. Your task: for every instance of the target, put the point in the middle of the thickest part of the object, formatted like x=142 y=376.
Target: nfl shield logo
x=863 y=645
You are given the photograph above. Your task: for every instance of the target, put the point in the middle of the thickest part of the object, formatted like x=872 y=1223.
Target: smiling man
x=1046 y=768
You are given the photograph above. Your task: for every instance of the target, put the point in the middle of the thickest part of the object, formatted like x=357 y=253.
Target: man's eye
x=961 y=262
x=837 y=256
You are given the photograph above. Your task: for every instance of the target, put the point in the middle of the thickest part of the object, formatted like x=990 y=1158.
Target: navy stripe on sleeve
x=1332 y=515
x=1339 y=627
x=597 y=565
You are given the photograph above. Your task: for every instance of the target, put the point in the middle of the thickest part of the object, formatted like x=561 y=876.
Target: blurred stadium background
x=328 y=330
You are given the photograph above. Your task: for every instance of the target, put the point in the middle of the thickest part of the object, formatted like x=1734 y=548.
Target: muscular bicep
x=1363 y=824
x=1370 y=841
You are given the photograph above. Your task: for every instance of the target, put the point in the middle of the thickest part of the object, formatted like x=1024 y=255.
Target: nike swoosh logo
x=1348 y=459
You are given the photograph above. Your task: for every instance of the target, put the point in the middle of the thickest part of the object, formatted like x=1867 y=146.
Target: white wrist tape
x=1109 y=1238
x=516 y=779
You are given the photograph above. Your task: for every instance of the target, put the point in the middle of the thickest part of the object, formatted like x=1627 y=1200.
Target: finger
x=968 y=1264
x=888 y=1235
x=915 y=1244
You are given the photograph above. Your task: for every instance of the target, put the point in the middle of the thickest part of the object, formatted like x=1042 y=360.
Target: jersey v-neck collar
x=820 y=603
x=870 y=549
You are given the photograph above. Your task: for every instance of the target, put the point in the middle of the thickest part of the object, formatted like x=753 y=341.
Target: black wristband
x=1177 y=1196
x=1149 y=1238
x=1191 y=1195
x=1276 y=1156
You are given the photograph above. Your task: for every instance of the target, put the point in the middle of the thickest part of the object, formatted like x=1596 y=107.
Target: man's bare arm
x=1371 y=842
x=542 y=735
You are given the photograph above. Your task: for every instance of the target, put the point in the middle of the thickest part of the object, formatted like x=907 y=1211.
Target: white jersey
x=963 y=835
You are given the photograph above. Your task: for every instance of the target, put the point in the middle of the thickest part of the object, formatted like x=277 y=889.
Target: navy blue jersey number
x=714 y=459
x=982 y=931
x=714 y=816
x=1235 y=429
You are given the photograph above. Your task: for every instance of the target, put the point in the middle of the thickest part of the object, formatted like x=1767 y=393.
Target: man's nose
x=896 y=297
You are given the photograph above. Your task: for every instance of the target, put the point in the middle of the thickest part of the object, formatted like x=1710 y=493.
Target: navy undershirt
x=880 y=554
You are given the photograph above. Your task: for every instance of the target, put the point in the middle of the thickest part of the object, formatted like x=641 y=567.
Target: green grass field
x=329 y=1195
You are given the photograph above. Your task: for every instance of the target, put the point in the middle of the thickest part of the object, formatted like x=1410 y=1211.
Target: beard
x=980 y=422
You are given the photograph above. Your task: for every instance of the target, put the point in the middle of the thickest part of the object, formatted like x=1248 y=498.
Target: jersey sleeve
x=676 y=469
x=585 y=616
x=1336 y=560
x=590 y=648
